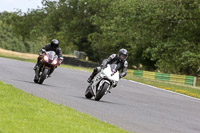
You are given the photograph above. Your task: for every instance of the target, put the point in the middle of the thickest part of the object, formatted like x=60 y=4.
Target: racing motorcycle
x=103 y=82
x=48 y=61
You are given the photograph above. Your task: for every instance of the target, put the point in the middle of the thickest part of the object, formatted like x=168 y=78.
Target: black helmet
x=54 y=43
x=123 y=54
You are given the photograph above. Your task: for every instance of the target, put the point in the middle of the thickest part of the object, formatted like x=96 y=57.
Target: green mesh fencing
x=138 y=73
x=163 y=76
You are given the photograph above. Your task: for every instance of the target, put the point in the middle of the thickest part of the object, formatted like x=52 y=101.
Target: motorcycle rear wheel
x=88 y=94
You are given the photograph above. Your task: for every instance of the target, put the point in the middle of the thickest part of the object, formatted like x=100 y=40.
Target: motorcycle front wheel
x=43 y=76
x=102 y=91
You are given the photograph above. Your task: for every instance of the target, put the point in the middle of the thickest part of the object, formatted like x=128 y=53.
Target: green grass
x=23 y=113
x=18 y=58
x=179 y=88
x=77 y=67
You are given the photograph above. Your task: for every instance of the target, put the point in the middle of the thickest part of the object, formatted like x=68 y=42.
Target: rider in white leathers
x=119 y=59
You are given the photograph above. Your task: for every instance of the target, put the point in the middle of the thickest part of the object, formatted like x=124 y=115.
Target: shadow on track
x=101 y=101
x=23 y=81
x=36 y=83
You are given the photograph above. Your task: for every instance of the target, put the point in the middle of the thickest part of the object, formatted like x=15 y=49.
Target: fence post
x=194 y=81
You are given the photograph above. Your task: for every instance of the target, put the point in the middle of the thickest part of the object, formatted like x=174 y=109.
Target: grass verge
x=18 y=58
x=183 y=89
x=33 y=60
x=24 y=113
x=179 y=88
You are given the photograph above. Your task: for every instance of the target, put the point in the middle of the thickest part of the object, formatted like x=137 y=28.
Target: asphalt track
x=131 y=106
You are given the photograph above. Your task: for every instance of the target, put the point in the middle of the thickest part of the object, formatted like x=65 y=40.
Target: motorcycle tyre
x=101 y=92
x=43 y=76
x=88 y=94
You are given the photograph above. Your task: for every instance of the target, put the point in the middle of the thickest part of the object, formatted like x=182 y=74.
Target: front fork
x=40 y=69
x=101 y=83
x=109 y=88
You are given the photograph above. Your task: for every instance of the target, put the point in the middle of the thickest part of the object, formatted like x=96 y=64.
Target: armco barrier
x=177 y=78
x=138 y=73
x=149 y=75
x=162 y=76
x=182 y=79
x=190 y=80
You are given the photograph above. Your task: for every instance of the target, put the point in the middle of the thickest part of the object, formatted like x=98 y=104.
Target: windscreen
x=113 y=67
x=51 y=55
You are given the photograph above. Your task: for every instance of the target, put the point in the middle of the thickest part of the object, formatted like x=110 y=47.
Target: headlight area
x=46 y=58
x=54 y=62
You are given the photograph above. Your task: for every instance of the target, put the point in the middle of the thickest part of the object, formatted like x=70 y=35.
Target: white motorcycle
x=103 y=82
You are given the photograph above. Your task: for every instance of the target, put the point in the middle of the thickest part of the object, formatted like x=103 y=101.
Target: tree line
x=160 y=35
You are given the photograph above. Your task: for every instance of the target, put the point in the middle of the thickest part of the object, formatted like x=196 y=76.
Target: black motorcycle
x=48 y=62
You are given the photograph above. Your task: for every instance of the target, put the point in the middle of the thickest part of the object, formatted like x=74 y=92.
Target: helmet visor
x=123 y=57
x=55 y=45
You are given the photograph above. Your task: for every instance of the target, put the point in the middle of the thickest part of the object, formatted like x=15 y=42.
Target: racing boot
x=36 y=74
x=37 y=64
x=91 y=77
x=49 y=76
x=34 y=68
x=94 y=73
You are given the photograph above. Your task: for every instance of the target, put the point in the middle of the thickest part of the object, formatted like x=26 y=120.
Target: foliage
x=159 y=35
x=9 y=40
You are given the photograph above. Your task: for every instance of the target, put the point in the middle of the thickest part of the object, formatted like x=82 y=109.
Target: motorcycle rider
x=53 y=46
x=119 y=59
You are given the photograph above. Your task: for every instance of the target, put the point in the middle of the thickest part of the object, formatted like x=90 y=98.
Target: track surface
x=131 y=106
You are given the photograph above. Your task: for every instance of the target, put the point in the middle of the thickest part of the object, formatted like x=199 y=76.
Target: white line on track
x=163 y=89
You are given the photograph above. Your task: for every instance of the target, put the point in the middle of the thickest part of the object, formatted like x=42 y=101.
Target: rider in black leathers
x=53 y=46
x=119 y=59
